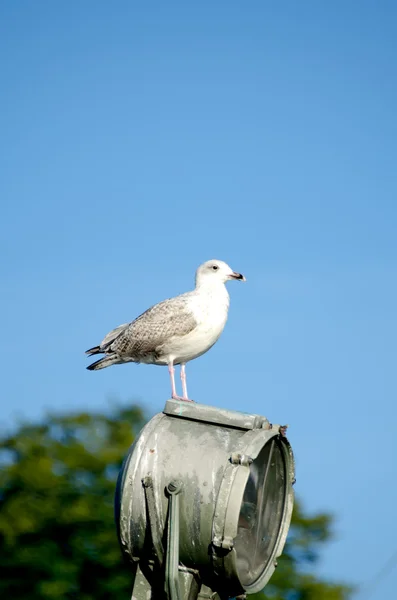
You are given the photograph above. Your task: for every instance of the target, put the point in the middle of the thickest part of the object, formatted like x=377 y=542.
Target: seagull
x=174 y=331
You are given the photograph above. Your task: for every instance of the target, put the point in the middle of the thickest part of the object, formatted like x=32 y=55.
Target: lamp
x=204 y=502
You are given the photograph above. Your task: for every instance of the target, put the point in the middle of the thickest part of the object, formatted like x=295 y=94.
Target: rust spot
x=151 y=450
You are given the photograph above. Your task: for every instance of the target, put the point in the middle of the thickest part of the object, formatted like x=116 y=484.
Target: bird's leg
x=183 y=379
x=174 y=395
x=171 y=371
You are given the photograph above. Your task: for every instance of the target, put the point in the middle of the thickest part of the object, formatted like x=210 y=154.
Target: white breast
x=210 y=310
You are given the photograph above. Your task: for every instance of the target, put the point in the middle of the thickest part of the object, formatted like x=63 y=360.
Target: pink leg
x=183 y=379
x=174 y=395
x=171 y=371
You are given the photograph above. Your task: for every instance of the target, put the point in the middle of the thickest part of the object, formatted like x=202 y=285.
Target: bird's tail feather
x=106 y=361
x=94 y=350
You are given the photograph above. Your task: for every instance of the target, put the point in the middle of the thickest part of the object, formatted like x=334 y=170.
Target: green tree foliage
x=57 y=532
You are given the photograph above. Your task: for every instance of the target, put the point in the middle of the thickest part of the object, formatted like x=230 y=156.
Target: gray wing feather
x=154 y=327
x=112 y=335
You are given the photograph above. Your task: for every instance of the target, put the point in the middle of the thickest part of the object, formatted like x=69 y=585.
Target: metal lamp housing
x=235 y=472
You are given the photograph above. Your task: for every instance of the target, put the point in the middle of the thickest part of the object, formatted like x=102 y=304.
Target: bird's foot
x=175 y=397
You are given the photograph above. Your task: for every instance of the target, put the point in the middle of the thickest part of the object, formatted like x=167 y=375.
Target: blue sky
x=137 y=141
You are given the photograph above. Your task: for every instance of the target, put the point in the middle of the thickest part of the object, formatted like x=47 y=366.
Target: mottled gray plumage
x=143 y=339
x=147 y=334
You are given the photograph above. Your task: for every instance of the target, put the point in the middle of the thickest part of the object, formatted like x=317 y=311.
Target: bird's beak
x=238 y=276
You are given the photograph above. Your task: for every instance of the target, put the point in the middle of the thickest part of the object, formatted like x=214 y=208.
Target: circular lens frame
x=242 y=487
x=261 y=513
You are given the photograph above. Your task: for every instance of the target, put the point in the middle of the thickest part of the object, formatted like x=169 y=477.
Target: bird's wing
x=154 y=327
x=112 y=335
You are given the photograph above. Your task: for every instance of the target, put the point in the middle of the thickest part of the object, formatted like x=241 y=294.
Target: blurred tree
x=57 y=532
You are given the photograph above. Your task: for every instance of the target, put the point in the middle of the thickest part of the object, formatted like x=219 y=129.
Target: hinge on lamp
x=225 y=543
x=240 y=459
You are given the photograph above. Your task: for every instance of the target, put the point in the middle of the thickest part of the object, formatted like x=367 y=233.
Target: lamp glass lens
x=261 y=513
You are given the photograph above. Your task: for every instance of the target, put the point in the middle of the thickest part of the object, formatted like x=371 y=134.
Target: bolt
x=174 y=486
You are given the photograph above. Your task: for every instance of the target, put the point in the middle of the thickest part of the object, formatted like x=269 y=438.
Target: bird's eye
x=215 y=267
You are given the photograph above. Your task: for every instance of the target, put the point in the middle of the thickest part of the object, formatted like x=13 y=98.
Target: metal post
x=172 y=588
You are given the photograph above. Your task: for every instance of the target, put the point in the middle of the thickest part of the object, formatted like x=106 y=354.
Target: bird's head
x=216 y=271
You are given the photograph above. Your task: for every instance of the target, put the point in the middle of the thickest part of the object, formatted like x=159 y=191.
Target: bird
x=175 y=331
